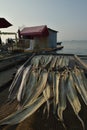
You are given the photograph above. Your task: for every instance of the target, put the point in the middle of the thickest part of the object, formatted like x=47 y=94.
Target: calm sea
x=74 y=47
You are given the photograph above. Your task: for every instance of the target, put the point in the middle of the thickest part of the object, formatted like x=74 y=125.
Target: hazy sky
x=69 y=17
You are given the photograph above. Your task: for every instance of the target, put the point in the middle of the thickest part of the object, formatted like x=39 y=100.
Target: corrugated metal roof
x=33 y=30
x=4 y=23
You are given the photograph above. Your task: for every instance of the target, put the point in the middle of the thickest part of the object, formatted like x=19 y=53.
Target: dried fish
x=21 y=68
x=73 y=98
x=79 y=85
x=83 y=78
x=47 y=95
x=22 y=114
x=62 y=98
x=35 y=61
x=53 y=62
x=45 y=60
x=15 y=86
x=50 y=79
x=23 y=83
x=56 y=77
x=33 y=79
x=39 y=87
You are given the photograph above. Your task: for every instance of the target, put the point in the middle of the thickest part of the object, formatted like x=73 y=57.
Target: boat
x=59 y=47
x=59 y=43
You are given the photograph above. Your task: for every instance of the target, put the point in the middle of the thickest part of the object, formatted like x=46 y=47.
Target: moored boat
x=59 y=43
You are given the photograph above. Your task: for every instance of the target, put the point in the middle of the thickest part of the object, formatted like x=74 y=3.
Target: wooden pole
x=81 y=62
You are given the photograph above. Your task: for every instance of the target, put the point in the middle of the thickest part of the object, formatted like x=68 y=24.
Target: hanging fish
x=22 y=114
x=23 y=83
x=79 y=85
x=47 y=95
x=62 y=98
x=56 y=78
x=73 y=98
x=30 y=86
x=39 y=87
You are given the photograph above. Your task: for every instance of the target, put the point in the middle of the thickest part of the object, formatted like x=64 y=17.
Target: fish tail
x=82 y=122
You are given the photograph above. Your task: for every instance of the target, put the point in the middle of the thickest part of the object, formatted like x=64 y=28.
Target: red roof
x=4 y=23
x=35 y=31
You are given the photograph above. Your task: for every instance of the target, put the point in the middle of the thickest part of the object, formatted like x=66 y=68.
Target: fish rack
x=57 y=124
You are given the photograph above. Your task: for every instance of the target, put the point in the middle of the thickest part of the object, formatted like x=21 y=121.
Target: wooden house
x=38 y=37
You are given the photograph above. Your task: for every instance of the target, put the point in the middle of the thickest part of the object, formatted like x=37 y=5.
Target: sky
x=68 y=17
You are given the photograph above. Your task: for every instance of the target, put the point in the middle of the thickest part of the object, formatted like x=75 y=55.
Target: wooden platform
x=59 y=47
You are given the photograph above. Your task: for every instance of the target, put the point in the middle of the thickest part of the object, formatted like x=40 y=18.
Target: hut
x=37 y=37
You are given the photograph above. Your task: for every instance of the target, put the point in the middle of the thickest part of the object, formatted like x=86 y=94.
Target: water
x=74 y=47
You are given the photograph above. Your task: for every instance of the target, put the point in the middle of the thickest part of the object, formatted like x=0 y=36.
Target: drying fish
x=66 y=58
x=23 y=83
x=80 y=86
x=45 y=60
x=57 y=62
x=57 y=74
x=14 y=90
x=22 y=114
x=60 y=61
x=35 y=61
x=33 y=79
x=47 y=78
x=47 y=95
x=73 y=98
x=62 y=98
x=63 y=62
x=56 y=78
x=18 y=73
x=53 y=62
x=83 y=78
x=72 y=94
x=16 y=78
x=39 y=87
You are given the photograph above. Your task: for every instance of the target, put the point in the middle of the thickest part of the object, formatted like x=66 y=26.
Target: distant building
x=38 y=37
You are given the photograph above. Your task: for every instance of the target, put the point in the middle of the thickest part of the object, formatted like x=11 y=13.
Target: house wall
x=41 y=42
x=46 y=42
x=52 y=39
x=23 y=43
